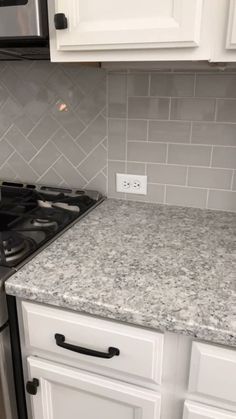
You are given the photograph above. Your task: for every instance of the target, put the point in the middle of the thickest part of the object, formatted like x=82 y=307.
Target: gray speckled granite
x=168 y=268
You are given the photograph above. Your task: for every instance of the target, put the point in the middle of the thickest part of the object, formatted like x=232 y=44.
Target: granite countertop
x=168 y=268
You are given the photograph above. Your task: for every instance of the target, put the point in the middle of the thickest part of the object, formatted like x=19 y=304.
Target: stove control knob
x=32 y=386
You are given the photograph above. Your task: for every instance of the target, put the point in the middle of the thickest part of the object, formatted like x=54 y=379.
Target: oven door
x=22 y=19
x=7 y=392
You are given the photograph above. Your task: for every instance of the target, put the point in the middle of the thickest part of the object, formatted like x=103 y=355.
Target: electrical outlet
x=131 y=183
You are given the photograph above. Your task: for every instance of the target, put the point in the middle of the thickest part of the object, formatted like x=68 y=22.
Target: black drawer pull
x=60 y=21
x=60 y=341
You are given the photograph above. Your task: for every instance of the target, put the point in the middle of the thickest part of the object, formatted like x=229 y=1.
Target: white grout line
x=211 y=157
x=194 y=84
x=232 y=180
x=207 y=198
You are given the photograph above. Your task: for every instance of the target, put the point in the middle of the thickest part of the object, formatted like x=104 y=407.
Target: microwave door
x=20 y=19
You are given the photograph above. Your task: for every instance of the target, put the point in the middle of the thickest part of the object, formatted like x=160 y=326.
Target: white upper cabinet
x=126 y=24
x=108 y=30
x=231 y=30
x=225 y=31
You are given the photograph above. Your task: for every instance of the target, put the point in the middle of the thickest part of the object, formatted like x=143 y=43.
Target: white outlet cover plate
x=135 y=184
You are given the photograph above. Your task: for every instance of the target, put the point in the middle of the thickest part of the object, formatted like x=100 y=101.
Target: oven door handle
x=60 y=341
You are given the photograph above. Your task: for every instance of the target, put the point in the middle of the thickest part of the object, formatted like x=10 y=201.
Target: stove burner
x=14 y=247
x=45 y=223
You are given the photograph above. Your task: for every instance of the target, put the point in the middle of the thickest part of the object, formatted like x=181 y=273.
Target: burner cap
x=14 y=246
x=45 y=223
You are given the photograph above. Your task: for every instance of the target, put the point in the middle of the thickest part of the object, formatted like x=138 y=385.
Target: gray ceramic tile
x=214 y=133
x=117 y=95
x=169 y=131
x=20 y=143
x=93 y=163
x=98 y=183
x=172 y=84
x=147 y=152
x=189 y=197
x=51 y=178
x=155 y=194
x=45 y=158
x=148 y=108
x=138 y=84
x=226 y=110
x=69 y=174
x=195 y=155
x=117 y=139
x=68 y=147
x=24 y=123
x=93 y=134
x=68 y=119
x=43 y=131
x=224 y=157
x=10 y=111
x=222 y=200
x=6 y=172
x=167 y=174
x=6 y=151
x=64 y=88
x=136 y=168
x=137 y=130
x=209 y=178
x=36 y=94
x=216 y=85
x=93 y=103
x=193 y=109
x=22 y=169
x=113 y=168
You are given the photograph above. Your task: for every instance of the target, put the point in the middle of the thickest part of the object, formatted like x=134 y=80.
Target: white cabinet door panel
x=231 y=33
x=213 y=372
x=197 y=411
x=125 y=24
x=65 y=393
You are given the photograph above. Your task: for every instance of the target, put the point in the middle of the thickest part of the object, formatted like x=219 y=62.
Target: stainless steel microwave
x=23 y=26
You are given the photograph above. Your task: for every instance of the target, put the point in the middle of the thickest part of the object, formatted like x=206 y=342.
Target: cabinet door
x=65 y=392
x=197 y=411
x=231 y=32
x=129 y=24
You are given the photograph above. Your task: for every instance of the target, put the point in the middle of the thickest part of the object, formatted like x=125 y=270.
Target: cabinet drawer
x=213 y=371
x=140 y=350
x=199 y=411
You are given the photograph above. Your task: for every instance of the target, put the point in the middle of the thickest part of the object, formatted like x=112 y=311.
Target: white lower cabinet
x=198 y=411
x=64 y=392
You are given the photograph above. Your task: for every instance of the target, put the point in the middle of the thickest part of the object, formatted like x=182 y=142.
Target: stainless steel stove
x=30 y=218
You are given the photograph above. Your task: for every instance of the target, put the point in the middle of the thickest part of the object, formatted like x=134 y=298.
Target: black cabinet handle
x=60 y=341
x=60 y=21
x=32 y=386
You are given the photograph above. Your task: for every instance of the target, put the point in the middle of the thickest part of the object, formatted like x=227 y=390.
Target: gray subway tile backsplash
x=216 y=85
x=148 y=108
x=191 y=155
x=213 y=133
x=179 y=112
x=72 y=125
x=146 y=152
x=226 y=110
x=169 y=131
x=193 y=109
x=172 y=85
x=224 y=157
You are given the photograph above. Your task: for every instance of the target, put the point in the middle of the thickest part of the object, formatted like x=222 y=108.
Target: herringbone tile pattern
x=53 y=124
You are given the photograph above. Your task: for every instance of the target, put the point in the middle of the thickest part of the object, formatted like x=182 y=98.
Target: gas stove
x=31 y=216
